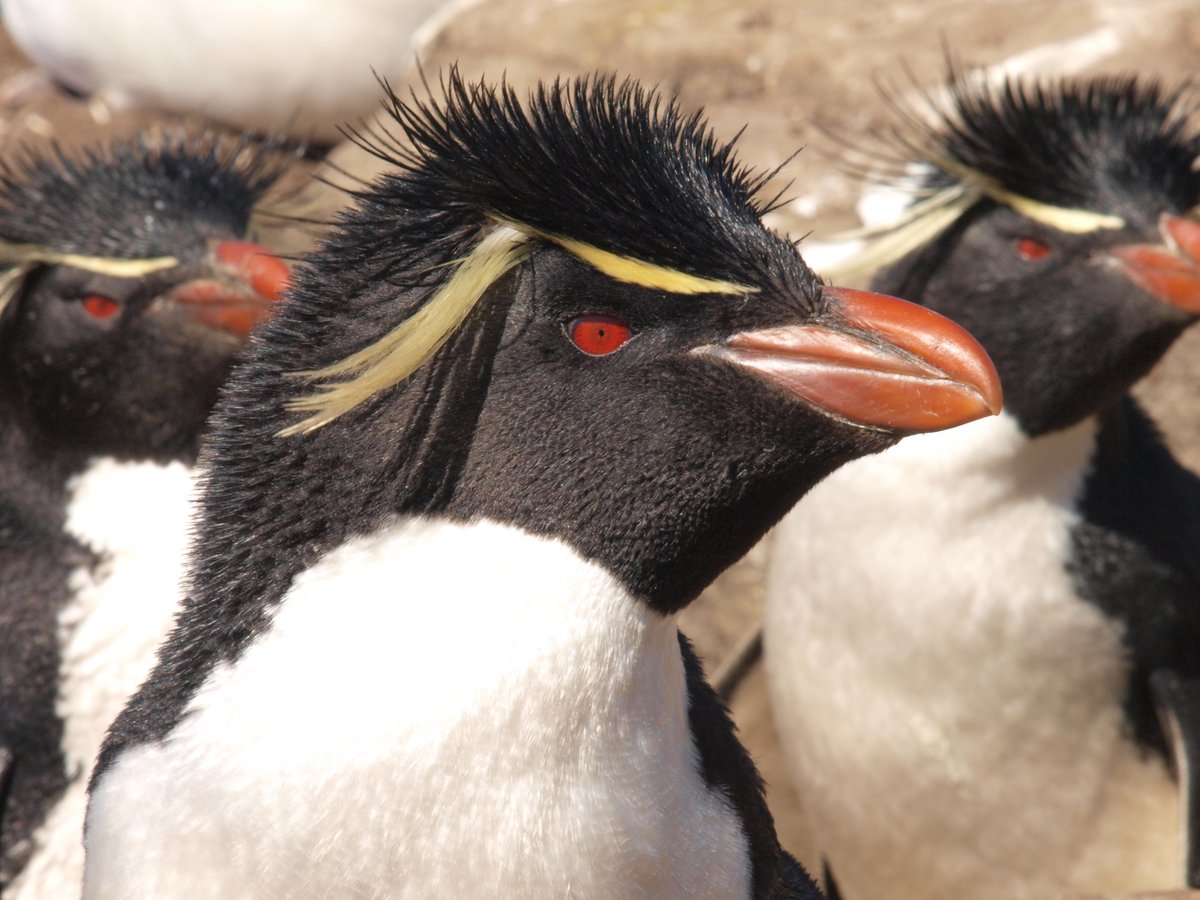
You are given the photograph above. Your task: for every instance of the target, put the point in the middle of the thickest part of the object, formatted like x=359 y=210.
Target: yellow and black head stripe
x=18 y=260
x=10 y=283
x=400 y=352
x=1061 y=218
x=34 y=254
x=884 y=245
x=648 y=275
x=929 y=217
x=344 y=385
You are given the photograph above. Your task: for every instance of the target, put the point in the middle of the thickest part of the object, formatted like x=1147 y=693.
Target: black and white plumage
x=430 y=648
x=128 y=289
x=966 y=696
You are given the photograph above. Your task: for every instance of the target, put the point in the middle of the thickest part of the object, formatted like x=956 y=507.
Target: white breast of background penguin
x=136 y=516
x=1005 y=683
x=426 y=677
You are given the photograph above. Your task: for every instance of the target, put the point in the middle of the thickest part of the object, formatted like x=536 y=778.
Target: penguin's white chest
x=950 y=706
x=435 y=710
x=136 y=516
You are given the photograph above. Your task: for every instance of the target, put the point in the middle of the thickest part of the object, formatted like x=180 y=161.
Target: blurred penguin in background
x=982 y=646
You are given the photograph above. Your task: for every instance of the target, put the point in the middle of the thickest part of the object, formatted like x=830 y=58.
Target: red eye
x=598 y=335
x=1029 y=249
x=100 y=307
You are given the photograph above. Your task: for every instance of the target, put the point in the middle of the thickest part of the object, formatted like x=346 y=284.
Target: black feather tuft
x=595 y=160
x=138 y=198
x=1114 y=145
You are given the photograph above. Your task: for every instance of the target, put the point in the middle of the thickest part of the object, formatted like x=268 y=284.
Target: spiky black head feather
x=605 y=169
x=1118 y=145
x=596 y=160
x=137 y=198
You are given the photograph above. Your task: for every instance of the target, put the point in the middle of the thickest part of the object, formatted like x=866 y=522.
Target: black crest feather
x=596 y=160
x=1116 y=145
x=133 y=199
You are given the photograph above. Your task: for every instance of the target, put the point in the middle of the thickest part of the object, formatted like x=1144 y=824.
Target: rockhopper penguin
x=539 y=388
x=965 y=634
x=127 y=290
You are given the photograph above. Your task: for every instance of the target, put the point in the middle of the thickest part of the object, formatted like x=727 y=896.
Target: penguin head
x=569 y=317
x=130 y=289
x=1067 y=243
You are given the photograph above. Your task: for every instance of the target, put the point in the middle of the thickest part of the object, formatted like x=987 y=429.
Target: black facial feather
x=1107 y=145
x=604 y=162
x=138 y=198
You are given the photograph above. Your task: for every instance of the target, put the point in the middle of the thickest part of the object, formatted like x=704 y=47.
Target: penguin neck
x=517 y=605
x=475 y=631
x=34 y=471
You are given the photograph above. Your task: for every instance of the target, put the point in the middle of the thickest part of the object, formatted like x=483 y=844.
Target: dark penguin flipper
x=35 y=561
x=794 y=882
x=1134 y=557
x=726 y=767
x=6 y=761
x=1178 y=701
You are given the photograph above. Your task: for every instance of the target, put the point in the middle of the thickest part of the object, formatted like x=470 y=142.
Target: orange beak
x=1170 y=271
x=893 y=365
x=248 y=280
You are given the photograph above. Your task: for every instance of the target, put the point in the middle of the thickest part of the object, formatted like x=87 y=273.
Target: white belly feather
x=136 y=516
x=950 y=707
x=437 y=710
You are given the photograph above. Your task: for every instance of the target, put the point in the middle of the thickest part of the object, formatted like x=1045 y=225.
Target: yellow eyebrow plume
x=1062 y=218
x=403 y=350
x=103 y=265
x=644 y=274
x=10 y=283
x=406 y=347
